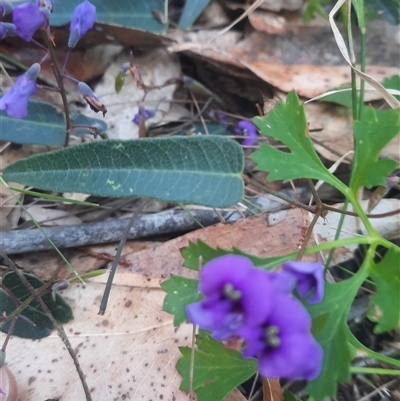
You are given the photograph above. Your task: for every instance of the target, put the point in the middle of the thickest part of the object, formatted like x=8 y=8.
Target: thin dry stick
x=60 y=330
x=106 y=294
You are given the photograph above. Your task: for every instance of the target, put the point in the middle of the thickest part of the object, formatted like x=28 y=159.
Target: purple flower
x=28 y=18
x=232 y=288
x=248 y=129
x=92 y=100
x=15 y=101
x=83 y=18
x=307 y=277
x=7 y=29
x=283 y=342
x=5 y=8
x=145 y=113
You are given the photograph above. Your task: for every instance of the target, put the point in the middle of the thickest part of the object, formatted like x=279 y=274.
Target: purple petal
x=309 y=277
x=247 y=128
x=225 y=269
x=298 y=357
x=27 y=19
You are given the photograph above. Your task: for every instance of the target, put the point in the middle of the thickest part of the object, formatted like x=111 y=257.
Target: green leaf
x=387 y=10
x=44 y=125
x=386 y=276
x=334 y=335
x=194 y=251
x=181 y=291
x=60 y=310
x=217 y=370
x=288 y=396
x=392 y=82
x=199 y=169
x=287 y=123
x=191 y=12
x=375 y=129
x=314 y=7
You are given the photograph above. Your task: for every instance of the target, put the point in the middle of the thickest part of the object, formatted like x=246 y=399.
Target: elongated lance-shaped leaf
x=201 y=169
x=44 y=125
x=287 y=123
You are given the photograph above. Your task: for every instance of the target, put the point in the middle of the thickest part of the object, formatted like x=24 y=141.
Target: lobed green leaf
x=181 y=291
x=287 y=123
x=371 y=134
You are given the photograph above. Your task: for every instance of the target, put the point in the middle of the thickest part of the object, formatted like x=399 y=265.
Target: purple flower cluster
x=27 y=19
x=241 y=300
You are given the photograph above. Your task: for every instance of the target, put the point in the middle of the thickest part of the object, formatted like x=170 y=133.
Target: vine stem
x=59 y=78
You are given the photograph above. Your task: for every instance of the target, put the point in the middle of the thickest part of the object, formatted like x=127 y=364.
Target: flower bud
x=92 y=100
x=5 y=8
x=7 y=29
x=83 y=18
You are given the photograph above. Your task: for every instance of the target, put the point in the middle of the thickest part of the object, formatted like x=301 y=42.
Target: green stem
x=361 y=24
x=375 y=371
x=337 y=234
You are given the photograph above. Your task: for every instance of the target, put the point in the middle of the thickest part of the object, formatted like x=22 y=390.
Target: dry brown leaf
x=263 y=235
x=45 y=264
x=271 y=23
x=305 y=59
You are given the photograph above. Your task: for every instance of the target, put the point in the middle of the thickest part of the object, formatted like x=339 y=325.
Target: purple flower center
x=230 y=293
x=272 y=336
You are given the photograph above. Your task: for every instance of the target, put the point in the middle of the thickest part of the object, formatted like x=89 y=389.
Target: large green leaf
x=331 y=331
x=201 y=169
x=217 y=369
x=375 y=129
x=43 y=125
x=60 y=310
x=287 y=123
x=386 y=276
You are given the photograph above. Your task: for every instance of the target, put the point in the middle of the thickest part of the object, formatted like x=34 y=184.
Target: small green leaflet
x=386 y=276
x=180 y=291
x=217 y=369
x=371 y=134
